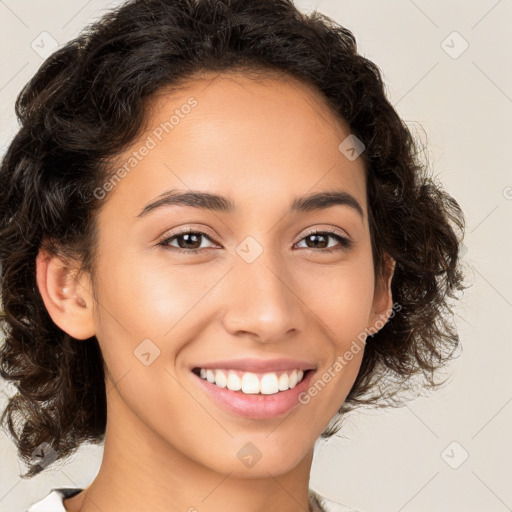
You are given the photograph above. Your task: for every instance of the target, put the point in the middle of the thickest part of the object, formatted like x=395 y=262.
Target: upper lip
x=258 y=365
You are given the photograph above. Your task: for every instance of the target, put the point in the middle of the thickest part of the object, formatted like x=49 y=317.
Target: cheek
x=343 y=304
x=150 y=300
x=146 y=306
x=341 y=296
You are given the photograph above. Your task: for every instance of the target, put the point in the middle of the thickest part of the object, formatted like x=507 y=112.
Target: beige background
x=400 y=460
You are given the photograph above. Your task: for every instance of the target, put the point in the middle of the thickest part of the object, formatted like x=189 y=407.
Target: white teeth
x=234 y=382
x=250 y=383
x=293 y=379
x=283 y=382
x=269 y=384
x=220 y=379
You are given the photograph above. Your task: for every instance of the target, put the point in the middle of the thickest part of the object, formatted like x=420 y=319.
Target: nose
x=262 y=301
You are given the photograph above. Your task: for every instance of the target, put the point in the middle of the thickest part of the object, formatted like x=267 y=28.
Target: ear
x=67 y=296
x=382 y=306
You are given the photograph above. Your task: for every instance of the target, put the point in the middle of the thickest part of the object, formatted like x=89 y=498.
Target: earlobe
x=67 y=297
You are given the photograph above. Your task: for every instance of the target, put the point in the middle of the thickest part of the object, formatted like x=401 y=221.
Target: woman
x=216 y=240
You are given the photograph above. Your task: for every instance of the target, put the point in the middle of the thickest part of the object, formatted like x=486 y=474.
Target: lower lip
x=256 y=406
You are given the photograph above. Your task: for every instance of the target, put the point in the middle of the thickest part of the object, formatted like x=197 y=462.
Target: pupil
x=316 y=238
x=187 y=236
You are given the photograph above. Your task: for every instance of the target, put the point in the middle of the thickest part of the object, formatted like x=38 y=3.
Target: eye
x=320 y=237
x=188 y=241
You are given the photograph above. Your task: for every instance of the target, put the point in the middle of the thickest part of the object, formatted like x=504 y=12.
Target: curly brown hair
x=88 y=102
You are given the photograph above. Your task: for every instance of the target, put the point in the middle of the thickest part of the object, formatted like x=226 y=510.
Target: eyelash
x=344 y=243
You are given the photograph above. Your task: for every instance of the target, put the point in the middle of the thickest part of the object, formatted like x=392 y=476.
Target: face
x=258 y=288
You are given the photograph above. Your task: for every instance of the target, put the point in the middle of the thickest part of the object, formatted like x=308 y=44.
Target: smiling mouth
x=251 y=383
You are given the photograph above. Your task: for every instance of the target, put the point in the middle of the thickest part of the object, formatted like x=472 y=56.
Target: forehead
x=261 y=137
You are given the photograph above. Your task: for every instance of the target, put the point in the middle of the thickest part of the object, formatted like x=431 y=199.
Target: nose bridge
x=261 y=294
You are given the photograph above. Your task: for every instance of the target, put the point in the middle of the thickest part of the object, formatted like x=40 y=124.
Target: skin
x=261 y=143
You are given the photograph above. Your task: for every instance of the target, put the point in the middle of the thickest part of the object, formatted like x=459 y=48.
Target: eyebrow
x=215 y=202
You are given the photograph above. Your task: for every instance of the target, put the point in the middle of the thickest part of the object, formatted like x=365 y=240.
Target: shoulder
x=320 y=504
x=53 y=501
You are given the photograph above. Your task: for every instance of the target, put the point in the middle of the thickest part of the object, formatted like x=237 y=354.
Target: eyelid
x=189 y=228
x=331 y=230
